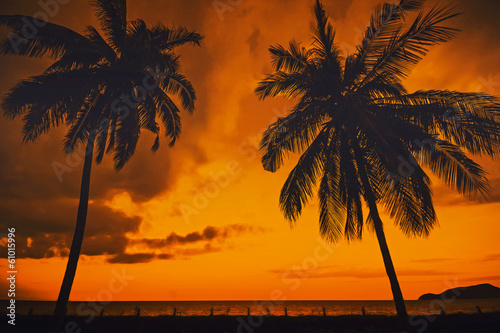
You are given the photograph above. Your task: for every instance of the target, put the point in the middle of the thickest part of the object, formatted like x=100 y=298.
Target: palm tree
x=105 y=88
x=365 y=138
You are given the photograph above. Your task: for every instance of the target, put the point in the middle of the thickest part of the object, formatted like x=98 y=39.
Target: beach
x=462 y=323
x=257 y=307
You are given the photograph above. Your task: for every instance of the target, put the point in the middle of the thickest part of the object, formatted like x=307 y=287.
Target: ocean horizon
x=256 y=308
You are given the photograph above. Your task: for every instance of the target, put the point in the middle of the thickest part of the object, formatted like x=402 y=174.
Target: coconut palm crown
x=364 y=139
x=101 y=83
x=106 y=86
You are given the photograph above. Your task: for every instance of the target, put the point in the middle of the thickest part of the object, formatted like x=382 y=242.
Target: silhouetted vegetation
x=106 y=87
x=364 y=138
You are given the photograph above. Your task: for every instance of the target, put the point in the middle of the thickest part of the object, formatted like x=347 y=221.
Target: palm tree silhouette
x=364 y=138
x=106 y=89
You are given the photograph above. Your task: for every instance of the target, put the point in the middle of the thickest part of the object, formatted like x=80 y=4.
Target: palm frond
x=178 y=84
x=147 y=115
x=127 y=135
x=101 y=139
x=327 y=54
x=87 y=118
x=292 y=133
x=104 y=48
x=169 y=114
x=282 y=84
x=385 y=21
x=299 y=185
x=45 y=101
x=112 y=16
x=324 y=39
x=353 y=187
x=353 y=229
x=295 y=59
x=470 y=120
x=409 y=202
x=332 y=210
x=406 y=49
x=75 y=61
x=458 y=171
x=169 y=38
x=50 y=39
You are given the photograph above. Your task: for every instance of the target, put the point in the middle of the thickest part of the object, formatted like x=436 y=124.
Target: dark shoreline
x=480 y=323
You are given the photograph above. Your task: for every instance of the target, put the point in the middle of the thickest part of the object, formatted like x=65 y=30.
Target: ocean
x=256 y=308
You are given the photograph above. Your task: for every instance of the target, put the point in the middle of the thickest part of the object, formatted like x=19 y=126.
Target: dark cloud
x=481 y=18
x=176 y=244
x=253 y=41
x=125 y=258
x=207 y=248
x=338 y=9
x=208 y=234
x=59 y=216
x=104 y=244
x=106 y=235
x=38 y=247
x=138 y=258
x=165 y=256
x=44 y=229
x=134 y=258
x=495 y=190
x=28 y=170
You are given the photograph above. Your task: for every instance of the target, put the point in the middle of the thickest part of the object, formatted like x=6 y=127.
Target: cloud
x=482 y=19
x=207 y=248
x=491 y=257
x=138 y=258
x=358 y=273
x=210 y=233
x=424 y=272
x=495 y=190
x=106 y=236
x=431 y=260
x=44 y=228
x=253 y=41
x=193 y=237
x=329 y=272
x=125 y=258
x=176 y=244
x=482 y=279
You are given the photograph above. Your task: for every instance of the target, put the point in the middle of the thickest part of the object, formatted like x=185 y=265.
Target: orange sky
x=164 y=221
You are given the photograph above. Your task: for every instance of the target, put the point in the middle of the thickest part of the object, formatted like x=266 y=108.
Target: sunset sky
x=200 y=221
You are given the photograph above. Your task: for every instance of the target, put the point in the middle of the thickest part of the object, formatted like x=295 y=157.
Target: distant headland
x=479 y=291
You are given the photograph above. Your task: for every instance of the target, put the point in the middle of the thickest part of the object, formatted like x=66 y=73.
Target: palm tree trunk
x=389 y=267
x=382 y=242
x=76 y=245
